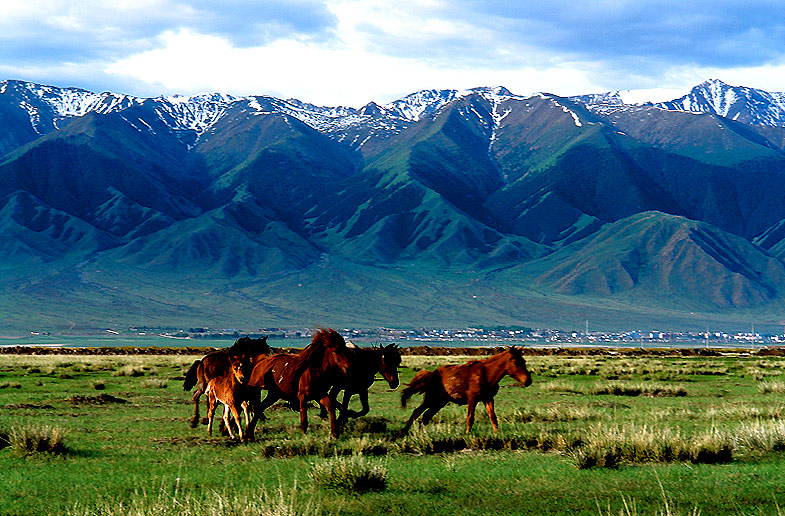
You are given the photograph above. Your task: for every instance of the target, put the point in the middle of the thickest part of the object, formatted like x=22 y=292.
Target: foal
x=217 y=364
x=467 y=384
x=229 y=390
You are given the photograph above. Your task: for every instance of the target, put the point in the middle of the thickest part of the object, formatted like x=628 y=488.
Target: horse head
x=516 y=366
x=390 y=360
x=240 y=367
x=249 y=347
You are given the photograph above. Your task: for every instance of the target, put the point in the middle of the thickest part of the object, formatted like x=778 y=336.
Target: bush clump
x=354 y=473
x=31 y=439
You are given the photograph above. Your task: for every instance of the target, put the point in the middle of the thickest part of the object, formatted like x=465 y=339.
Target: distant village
x=495 y=336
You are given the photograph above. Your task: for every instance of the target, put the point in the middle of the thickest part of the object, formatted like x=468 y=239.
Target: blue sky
x=349 y=52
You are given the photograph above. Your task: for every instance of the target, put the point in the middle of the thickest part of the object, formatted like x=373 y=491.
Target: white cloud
x=350 y=52
x=337 y=73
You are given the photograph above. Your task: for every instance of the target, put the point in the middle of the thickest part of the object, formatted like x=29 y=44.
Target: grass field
x=594 y=434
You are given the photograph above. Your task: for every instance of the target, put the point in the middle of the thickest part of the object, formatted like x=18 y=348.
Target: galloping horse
x=466 y=384
x=230 y=391
x=218 y=364
x=308 y=375
x=366 y=362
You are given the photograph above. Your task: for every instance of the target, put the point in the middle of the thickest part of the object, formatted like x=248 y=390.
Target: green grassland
x=605 y=433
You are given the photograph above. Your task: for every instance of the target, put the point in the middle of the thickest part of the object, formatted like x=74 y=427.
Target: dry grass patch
x=34 y=439
x=352 y=474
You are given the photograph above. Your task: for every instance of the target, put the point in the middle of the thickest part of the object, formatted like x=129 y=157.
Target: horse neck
x=496 y=368
x=367 y=359
x=255 y=359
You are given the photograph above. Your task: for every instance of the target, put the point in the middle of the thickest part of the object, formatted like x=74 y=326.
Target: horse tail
x=190 y=376
x=419 y=384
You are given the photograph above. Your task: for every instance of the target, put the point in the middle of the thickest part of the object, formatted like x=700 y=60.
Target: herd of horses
x=236 y=377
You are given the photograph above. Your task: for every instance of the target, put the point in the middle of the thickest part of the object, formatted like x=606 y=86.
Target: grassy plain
x=594 y=434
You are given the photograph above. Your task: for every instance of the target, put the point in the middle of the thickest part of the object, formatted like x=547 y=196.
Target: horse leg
x=492 y=414
x=226 y=422
x=363 y=400
x=470 y=406
x=432 y=410
x=417 y=412
x=236 y=414
x=334 y=393
x=327 y=403
x=245 y=412
x=211 y=406
x=258 y=408
x=345 y=413
x=197 y=394
x=304 y=414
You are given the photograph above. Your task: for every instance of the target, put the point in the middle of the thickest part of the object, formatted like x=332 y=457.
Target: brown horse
x=308 y=375
x=467 y=384
x=218 y=364
x=230 y=391
x=366 y=362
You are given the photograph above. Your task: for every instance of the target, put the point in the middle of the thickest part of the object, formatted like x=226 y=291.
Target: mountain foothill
x=444 y=208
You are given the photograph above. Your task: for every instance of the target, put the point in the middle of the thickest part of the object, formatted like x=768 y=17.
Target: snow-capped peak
x=417 y=105
x=748 y=105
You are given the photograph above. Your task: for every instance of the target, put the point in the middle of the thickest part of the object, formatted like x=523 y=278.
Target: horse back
x=465 y=381
x=216 y=365
x=277 y=372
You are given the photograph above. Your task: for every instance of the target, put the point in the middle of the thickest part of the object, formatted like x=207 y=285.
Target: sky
x=351 y=52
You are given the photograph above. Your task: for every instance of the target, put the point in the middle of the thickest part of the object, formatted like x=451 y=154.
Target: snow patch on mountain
x=196 y=112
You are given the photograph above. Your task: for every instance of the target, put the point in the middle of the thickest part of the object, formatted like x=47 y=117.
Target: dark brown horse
x=308 y=375
x=229 y=390
x=218 y=364
x=366 y=362
x=467 y=384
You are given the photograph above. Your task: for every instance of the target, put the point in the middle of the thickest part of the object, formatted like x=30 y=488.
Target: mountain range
x=446 y=207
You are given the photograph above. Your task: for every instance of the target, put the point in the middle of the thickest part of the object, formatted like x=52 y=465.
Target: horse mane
x=248 y=346
x=313 y=353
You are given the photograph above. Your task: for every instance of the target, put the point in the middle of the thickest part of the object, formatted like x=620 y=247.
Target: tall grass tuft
x=354 y=474
x=610 y=446
x=165 y=503
x=30 y=439
x=761 y=436
x=639 y=389
x=630 y=508
x=771 y=387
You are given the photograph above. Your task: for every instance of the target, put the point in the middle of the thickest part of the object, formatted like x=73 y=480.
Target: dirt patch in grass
x=101 y=399
x=17 y=406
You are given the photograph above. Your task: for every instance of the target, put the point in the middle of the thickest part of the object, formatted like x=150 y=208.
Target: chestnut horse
x=218 y=364
x=230 y=391
x=467 y=384
x=308 y=375
x=366 y=362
